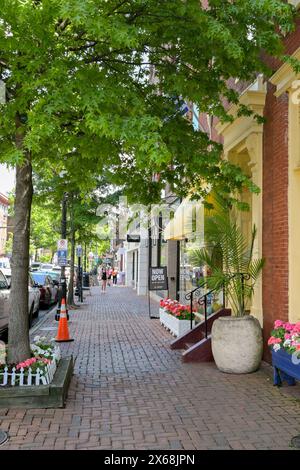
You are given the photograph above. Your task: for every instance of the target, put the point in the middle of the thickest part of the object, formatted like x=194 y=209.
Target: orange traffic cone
x=63 y=330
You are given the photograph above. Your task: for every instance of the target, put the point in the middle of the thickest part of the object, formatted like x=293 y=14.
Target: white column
x=255 y=149
x=142 y=287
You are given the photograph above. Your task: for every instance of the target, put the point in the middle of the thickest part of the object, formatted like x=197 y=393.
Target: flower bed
x=39 y=369
x=285 y=346
x=175 y=316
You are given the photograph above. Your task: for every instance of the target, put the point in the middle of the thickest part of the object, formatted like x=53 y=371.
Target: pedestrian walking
x=109 y=275
x=115 y=276
x=104 y=279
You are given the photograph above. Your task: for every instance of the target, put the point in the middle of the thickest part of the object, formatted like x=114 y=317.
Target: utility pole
x=79 y=273
x=85 y=262
x=63 y=280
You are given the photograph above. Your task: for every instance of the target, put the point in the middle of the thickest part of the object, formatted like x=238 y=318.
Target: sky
x=7 y=179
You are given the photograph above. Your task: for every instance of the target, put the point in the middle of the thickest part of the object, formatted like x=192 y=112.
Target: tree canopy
x=97 y=83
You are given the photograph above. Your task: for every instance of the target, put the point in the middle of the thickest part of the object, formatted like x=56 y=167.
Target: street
x=131 y=391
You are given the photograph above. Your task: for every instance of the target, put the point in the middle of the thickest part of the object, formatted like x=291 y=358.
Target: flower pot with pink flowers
x=285 y=346
x=175 y=316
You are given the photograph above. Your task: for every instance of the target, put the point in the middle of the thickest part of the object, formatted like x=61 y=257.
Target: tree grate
x=3 y=437
x=295 y=442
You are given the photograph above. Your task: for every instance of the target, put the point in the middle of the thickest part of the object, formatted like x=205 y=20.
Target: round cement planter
x=237 y=344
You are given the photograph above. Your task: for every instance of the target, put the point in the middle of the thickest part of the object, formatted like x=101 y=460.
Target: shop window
x=196 y=117
x=194 y=219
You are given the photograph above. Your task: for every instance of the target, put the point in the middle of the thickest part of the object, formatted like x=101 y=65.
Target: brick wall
x=275 y=212
x=275 y=200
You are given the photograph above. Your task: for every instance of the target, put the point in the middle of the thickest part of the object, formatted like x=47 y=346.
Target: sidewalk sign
x=158 y=278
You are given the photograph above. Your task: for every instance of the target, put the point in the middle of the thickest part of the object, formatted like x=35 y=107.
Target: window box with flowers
x=285 y=347
x=175 y=317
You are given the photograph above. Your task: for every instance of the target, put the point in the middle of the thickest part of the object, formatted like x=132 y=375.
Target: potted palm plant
x=237 y=343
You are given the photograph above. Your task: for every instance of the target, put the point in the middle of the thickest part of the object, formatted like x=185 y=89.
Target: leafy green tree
x=44 y=227
x=81 y=90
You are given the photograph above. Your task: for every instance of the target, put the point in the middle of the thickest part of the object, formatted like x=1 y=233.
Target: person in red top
x=114 y=275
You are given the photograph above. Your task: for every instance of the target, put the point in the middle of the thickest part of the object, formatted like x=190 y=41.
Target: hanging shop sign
x=133 y=238
x=158 y=278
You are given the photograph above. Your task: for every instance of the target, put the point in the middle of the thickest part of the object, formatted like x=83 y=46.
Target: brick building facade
x=271 y=154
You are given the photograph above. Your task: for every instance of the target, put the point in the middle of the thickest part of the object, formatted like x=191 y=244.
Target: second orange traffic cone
x=63 y=330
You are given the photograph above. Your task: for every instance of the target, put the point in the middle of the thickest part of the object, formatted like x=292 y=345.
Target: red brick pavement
x=130 y=391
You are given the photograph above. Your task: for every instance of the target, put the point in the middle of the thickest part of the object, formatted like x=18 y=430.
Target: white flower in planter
x=276 y=347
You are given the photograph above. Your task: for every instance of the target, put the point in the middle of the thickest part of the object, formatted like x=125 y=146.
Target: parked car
x=34 y=297
x=35 y=266
x=46 y=267
x=33 y=302
x=56 y=268
x=55 y=276
x=5 y=268
x=48 y=288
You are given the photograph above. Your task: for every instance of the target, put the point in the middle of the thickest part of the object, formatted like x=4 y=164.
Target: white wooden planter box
x=171 y=323
x=41 y=377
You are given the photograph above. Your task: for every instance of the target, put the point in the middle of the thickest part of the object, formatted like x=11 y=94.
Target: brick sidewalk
x=130 y=391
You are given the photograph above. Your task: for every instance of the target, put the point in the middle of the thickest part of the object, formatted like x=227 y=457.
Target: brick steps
x=196 y=347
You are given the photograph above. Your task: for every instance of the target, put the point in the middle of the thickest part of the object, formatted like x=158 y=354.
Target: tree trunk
x=36 y=255
x=71 y=300
x=18 y=327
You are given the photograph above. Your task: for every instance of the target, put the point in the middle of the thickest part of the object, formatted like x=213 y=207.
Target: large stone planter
x=237 y=344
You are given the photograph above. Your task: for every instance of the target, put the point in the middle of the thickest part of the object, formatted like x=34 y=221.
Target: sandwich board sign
x=158 y=279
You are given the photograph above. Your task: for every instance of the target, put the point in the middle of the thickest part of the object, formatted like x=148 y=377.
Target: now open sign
x=158 y=278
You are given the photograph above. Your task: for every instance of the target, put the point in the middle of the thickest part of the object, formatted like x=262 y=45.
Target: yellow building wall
x=294 y=208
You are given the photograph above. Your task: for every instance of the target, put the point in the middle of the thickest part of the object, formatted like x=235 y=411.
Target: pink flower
x=287 y=336
x=46 y=361
x=274 y=340
x=26 y=363
x=296 y=328
x=278 y=324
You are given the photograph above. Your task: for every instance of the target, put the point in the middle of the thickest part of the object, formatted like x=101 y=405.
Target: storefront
x=186 y=231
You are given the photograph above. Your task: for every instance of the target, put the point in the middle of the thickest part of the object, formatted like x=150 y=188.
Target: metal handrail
x=190 y=296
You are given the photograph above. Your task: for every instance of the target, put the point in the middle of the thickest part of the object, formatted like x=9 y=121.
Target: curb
x=43 y=320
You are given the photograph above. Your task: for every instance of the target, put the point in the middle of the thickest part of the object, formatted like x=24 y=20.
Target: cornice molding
x=283 y=78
